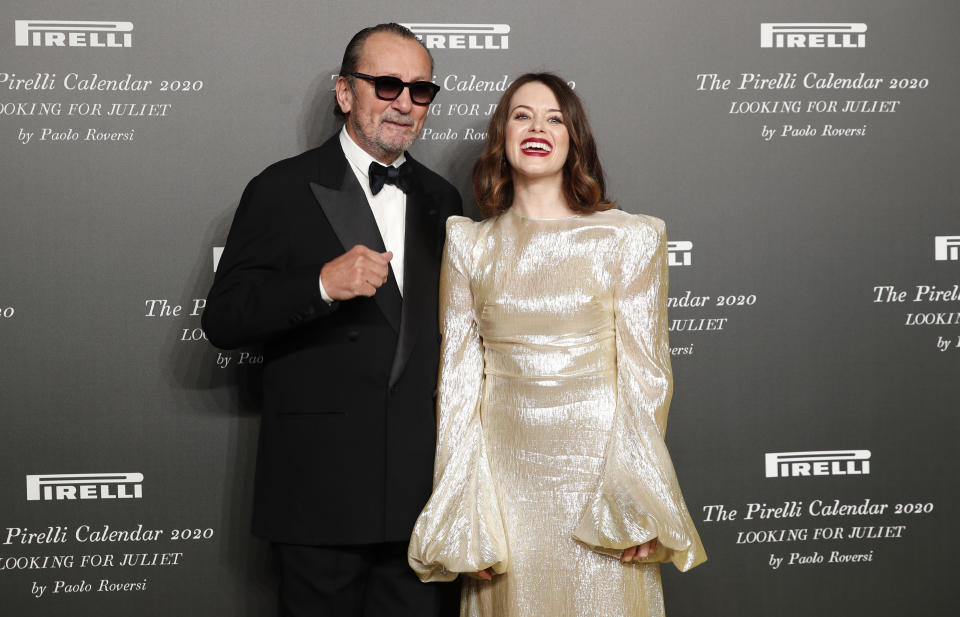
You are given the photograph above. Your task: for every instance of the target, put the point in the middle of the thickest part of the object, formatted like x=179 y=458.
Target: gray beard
x=376 y=146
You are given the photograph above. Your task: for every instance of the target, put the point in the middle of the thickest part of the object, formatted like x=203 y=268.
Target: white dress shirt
x=389 y=206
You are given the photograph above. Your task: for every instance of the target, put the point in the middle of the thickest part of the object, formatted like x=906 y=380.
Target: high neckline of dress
x=543 y=220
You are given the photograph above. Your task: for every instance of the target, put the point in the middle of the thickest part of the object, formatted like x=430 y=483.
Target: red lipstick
x=536 y=146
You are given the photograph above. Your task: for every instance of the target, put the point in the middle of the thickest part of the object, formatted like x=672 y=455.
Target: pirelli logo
x=804 y=35
x=70 y=486
x=679 y=252
x=73 y=33
x=462 y=36
x=820 y=463
x=946 y=248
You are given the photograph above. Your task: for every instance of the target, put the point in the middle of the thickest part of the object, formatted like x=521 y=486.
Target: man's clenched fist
x=358 y=272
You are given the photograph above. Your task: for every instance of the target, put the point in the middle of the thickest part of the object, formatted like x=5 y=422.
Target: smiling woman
x=553 y=489
x=562 y=124
x=537 y=140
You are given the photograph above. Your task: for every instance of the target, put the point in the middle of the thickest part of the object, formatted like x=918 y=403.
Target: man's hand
x=358 y=272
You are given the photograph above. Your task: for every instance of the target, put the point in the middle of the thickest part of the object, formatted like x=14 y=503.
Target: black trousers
x=358 y=581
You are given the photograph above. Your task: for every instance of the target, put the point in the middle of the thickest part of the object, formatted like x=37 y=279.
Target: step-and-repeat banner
x=804 y=157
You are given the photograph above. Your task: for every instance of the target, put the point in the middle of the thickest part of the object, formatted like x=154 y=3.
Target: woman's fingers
x=641 y=551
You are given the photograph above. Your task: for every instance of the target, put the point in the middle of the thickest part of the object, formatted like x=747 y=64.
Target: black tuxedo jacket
x=348 y=428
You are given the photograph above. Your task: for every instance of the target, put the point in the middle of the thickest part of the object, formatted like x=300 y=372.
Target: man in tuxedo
x=332 y=266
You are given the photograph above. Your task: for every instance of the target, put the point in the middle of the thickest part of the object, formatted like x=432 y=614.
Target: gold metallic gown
x=554 y=388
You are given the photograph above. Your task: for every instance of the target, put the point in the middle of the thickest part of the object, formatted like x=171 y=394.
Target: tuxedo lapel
x=345 y=205
x=418 y=270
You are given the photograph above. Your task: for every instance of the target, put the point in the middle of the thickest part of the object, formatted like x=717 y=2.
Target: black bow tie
x=401 y=177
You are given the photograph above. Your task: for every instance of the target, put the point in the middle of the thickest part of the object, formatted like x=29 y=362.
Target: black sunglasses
x=389 y=88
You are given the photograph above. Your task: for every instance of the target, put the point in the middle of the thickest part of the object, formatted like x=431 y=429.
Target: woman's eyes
x=553 y=119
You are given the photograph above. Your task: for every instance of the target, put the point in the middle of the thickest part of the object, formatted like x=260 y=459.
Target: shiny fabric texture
x=554 y=388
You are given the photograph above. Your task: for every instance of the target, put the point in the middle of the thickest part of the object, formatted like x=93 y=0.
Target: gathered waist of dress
x=545 y=359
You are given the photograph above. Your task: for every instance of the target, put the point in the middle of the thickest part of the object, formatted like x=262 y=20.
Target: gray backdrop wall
x=807 y=174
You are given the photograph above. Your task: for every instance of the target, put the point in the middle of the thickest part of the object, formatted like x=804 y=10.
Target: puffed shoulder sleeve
x=460 y=528
x=638 y=497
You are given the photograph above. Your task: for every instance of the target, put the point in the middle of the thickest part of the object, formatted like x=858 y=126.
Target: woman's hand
x=636 y=553
x=486 y=575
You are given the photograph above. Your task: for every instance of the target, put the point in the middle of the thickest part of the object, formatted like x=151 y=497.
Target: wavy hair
x=583 y=183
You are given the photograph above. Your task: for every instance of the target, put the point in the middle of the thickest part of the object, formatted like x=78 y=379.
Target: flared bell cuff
x=460 y=530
